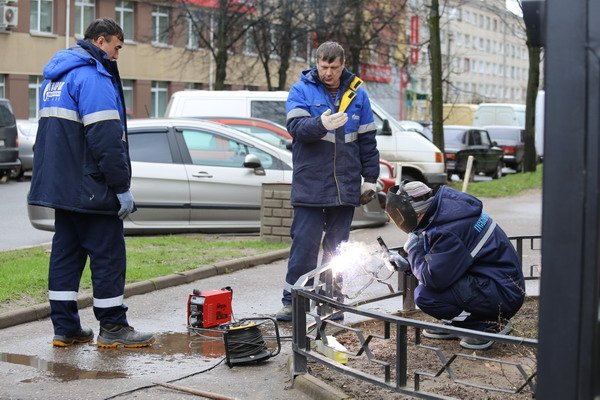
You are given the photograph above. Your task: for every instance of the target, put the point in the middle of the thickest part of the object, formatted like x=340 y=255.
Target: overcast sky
x=513 y=6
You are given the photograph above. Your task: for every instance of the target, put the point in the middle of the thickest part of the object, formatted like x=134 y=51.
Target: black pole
x=569 y=321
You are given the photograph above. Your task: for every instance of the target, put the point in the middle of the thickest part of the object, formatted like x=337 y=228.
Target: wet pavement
x=32 y=369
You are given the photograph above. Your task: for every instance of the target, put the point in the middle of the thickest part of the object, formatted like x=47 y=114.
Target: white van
x=500 y=114
x=420 y=159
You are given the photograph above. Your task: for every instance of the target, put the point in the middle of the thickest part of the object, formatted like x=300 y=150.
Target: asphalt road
x=32 y=369
x=15 y=229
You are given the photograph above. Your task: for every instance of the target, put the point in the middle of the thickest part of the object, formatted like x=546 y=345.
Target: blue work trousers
x=77 y=236
x=306 y=233
x=472 y=302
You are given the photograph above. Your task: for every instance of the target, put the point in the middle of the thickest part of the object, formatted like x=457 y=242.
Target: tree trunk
x=533 y=83
x=435 y=61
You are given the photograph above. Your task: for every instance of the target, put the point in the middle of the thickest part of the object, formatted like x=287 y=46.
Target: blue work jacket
x=328 y=165
x=459 y=238
x=81 y=156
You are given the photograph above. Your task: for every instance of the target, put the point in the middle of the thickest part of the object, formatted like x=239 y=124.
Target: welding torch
x=397 y=259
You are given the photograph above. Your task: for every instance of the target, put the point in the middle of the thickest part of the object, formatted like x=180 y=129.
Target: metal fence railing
x=397 y=375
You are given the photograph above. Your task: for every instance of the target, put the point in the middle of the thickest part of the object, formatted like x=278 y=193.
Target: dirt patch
x=465 y=367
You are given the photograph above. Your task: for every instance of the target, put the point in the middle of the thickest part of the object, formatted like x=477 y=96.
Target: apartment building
x=154 y=63
x=484 y=54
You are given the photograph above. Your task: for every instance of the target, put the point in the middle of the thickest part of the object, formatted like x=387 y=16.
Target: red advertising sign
x=414 y=30
x=414 y=55
x=376 y=73
x=414 y=39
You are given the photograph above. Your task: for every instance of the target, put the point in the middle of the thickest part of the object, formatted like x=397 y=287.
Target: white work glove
x=366 y=186
x=399 y=262
x=333 y=121
x=412 y=242
x=126 y=200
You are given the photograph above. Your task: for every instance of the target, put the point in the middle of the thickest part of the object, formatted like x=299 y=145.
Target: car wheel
x=520 y=167
x=498 y=171
x=409 y=178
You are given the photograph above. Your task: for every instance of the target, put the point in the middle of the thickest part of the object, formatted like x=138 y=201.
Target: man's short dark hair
x=103 y=27
x=330 y=51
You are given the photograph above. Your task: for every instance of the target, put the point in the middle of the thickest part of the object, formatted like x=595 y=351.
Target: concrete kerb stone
x=314 y=387
x=40 y=311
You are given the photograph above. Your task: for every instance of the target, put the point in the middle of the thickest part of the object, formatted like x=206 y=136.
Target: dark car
x=9 y=142
x=460 y=142
x=510 y=139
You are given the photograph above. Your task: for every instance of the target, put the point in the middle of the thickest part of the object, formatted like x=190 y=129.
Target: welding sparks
x=357 y=265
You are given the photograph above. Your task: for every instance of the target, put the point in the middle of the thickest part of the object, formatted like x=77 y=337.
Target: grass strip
x=24 y=272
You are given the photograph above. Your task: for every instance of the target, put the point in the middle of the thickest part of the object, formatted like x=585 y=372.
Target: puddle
x=62 y=371
x=199 y=343
x=169 y=346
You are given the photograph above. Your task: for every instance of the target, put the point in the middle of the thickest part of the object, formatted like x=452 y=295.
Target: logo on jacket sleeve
x=483 y=219
x=53 y=90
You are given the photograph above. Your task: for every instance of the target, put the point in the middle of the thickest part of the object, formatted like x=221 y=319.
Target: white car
x=197 y=175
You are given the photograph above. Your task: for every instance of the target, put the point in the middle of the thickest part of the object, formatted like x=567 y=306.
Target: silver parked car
x=27 y=133
x=197 y=175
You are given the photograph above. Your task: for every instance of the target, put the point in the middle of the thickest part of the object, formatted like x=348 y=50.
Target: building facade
x=161 y=55
x=484 y=54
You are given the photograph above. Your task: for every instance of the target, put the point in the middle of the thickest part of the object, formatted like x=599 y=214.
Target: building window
x=159 y=98
x=2 y=86
x=35 y=83
x=128 y=95
x=249 y=42
x=300 y=47
x=160 y=26
x=194 y=86
x=124 y=16
x=85 y=12
x=193 y=41
x=40 y=16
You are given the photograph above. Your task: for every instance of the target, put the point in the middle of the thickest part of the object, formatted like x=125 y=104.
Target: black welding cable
x=171 y=381
x=245 y=342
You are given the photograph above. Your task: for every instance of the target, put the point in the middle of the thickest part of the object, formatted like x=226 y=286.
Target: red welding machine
x=209 y=308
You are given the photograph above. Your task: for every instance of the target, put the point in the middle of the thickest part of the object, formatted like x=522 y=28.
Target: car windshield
x=263 y=134
x=454 y=136
x=505 y=134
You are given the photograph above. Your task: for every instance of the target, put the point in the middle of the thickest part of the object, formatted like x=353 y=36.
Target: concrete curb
x=40 y=311
x=314 y=387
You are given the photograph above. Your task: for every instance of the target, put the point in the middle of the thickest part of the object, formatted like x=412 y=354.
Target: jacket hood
x=311 y=75
x=66 y=60
x=451 y=205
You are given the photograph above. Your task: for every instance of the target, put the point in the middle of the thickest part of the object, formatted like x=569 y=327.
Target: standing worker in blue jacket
x=329 y=116
x=469 y=273
x=82 y=170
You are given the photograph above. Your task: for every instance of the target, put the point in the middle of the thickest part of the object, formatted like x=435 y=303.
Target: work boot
x=285 y=314
x=439 y=334
x=484 y=344
x=121 y=335
x=435 y=334
x=83 y=335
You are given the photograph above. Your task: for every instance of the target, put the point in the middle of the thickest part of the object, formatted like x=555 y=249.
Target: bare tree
x=218 y=30
x=435 y=62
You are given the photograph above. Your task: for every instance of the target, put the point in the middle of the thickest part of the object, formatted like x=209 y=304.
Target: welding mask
x=399 y=208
